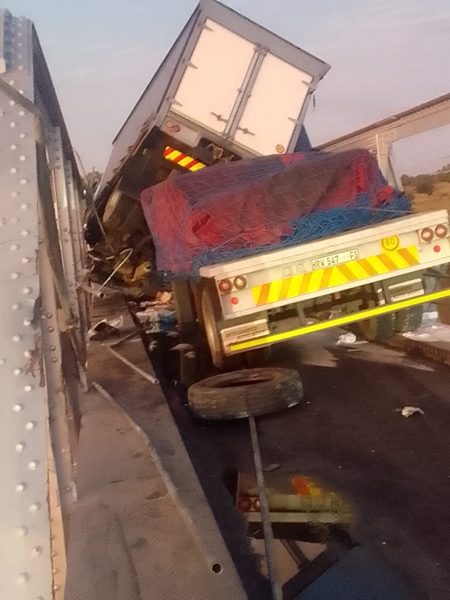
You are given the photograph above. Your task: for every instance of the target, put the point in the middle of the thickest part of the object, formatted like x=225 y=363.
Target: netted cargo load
x=243 y=208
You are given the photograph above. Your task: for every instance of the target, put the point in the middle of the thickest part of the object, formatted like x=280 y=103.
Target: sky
x=386 y=56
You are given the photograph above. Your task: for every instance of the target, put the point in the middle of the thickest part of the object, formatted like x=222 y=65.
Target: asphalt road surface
x=349 y=435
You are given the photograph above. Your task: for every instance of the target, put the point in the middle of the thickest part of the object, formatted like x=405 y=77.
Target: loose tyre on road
x=247 y=393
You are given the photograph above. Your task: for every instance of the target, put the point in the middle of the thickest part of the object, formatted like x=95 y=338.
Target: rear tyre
x=378 y=329
x=184 y=304
x=247 y=393
x=407 y=321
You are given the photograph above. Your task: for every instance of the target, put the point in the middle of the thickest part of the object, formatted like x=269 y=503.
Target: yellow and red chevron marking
x=306 y=487
x=177 y=157
x=330 y=277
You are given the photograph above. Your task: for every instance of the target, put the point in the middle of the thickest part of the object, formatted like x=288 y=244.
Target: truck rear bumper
x=273 y=338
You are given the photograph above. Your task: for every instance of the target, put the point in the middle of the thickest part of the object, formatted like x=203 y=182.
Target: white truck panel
x=213 y=77
x=280 y=90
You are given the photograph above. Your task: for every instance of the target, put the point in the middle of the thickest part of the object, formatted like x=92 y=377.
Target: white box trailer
x=228 y=88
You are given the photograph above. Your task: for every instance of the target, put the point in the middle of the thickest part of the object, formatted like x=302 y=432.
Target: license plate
x=332 y=260
x=241 y=333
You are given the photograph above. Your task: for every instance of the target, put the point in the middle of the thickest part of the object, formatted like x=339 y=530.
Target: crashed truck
x=213 y=185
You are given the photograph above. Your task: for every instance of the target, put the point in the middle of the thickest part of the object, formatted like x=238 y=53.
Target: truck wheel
x=378 y=329
x=409 y=320
x=184 y=304
x=211 y=316
x=247 y=393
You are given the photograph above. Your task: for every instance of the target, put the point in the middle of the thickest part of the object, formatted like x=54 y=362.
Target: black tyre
x=247 y=393
x=378 y=329
x=184 y=304
x=410 y=320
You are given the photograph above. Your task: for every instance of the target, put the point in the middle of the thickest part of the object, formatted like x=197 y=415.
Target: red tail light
x=225 y=286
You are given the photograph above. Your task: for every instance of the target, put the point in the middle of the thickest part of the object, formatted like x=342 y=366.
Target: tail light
x=427 y=234
x=441 y=231
x=225 y=286
x=240 y=283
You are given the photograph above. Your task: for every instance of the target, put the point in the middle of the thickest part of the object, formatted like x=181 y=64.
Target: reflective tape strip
x=360 y=316
x=330 y=277
x=184 y=160
x=305 y=487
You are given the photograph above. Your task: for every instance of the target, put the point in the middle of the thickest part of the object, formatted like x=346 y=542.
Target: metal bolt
x=18 y=371
x=52 y=348
x=24 y=206
x=15 y=220
x=22 y=531
x=37 y=551
x=51 y=329
x=33 y=465
x=2 y=361
x=23 y=578
x=27 y=291
x=20 y=447
x=16 y=306
x=35 y=507
x=21 y=487
x=18 y=407
x=22 y=158
x=12 y=124
x=23 y=135
x=27 y=323
x=15 y=194
x=17 y=338
x=31 y=425
x=48 y=315
x=28 y=353
x=25 y=233
x=14 y=170
x=68 y=488
x=15 y=247
x=15 y=275
x=54 y=360
x=24 y=181
x=26 y=260
x=28 y=388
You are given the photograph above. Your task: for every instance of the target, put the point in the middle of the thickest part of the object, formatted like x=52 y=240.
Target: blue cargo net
x=249 y=207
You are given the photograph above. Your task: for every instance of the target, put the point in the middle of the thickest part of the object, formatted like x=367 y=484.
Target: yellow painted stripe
x=197 y=167
x=185 y=161
x=360 y=316
x=173 y=155
x=330 y=277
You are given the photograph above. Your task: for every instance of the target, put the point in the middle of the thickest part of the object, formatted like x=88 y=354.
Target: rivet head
x=28 y=353
x=37 y=551
x=21 y=112
x=31 y=425
x=20 y=447
x=28 y=388
x=52 y=348
x=13 y=146
x=27 y=323
x=15 y=194
x=35 y=507
x=27 y=291
x=24 y=206
x=33 y=465
x=54 y=360
x=26 y=260
x=21 y=487
x=15 y=220
x=25 y=233
x=48 y=315
x=17 y=338
x=18 y=407
x=14 y=170
x=22 y=531
x=13 y=124
x=24 y=181
x=23 y=578
x=15 y=275
x=16 y=306
x=18 y=372
x=23 y=135
x=2 y=361
x=22 y=158
x=14 y=247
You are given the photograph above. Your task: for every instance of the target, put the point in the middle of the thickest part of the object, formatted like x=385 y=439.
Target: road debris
x=105 y=329
x=409 y=411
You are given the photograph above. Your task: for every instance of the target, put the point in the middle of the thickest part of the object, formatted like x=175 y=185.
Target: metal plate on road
x=332 y=260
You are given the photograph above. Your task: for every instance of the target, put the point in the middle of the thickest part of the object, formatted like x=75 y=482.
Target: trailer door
x=273 y=108
x=214 y=75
